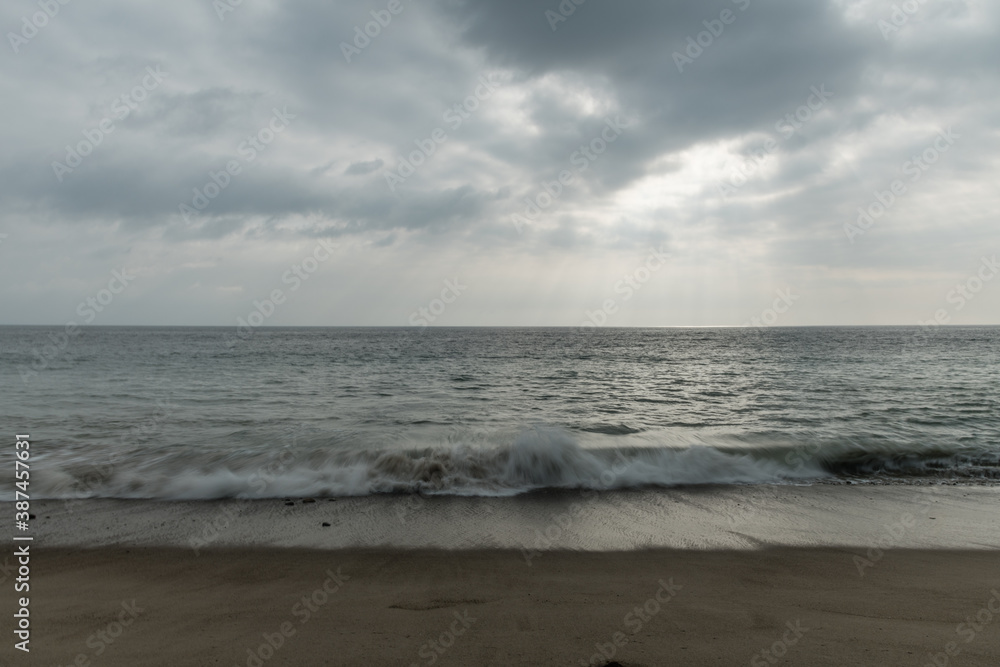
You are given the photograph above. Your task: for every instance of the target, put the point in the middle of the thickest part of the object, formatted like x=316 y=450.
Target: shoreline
x=267 y=606
x=720 y=575
x=703 y=518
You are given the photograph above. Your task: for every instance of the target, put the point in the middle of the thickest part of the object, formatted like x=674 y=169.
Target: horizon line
x=497 y=326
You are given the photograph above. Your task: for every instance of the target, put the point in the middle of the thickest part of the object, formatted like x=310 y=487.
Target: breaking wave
x=537 y=459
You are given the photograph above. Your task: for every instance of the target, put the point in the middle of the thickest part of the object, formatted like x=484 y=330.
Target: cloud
x=362 y=168
x=708 y=158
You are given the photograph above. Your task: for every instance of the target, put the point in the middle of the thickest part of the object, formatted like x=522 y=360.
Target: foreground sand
x=386 y=607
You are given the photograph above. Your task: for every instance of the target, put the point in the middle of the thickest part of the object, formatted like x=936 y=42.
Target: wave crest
x=538 y=458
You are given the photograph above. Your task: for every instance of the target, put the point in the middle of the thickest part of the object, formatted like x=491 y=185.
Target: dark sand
x=209 y=609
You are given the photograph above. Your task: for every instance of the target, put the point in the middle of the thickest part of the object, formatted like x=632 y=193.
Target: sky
x=499 y=162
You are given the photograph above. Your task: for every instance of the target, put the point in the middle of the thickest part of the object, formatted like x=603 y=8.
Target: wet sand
x=696 y=517
x=162 y=606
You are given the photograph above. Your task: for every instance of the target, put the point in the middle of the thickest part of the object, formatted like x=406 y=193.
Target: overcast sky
x=737 y=140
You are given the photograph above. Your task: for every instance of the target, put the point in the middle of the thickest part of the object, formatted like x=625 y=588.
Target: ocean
x=204 y=413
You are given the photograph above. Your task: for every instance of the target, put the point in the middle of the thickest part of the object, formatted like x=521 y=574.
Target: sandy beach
x=156 y=606
x=755 y=575
x=465 y=333
x=709 y=517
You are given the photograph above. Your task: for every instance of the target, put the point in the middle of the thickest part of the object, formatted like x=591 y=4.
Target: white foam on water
x=539 y=458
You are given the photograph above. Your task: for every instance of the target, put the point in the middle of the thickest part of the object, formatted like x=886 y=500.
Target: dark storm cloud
x=700 y=89
x=762 y=64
